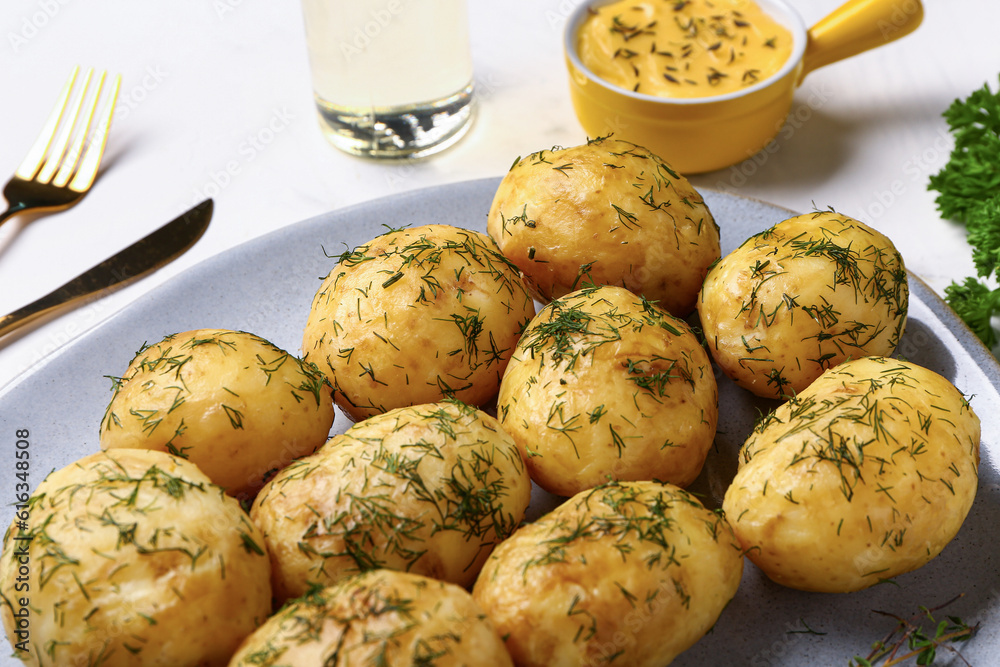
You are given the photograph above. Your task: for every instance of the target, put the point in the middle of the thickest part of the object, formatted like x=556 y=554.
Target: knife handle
x=94 y=282
x=36 y=309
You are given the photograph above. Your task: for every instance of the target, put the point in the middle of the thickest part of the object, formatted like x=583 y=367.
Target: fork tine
x=73 y=154
x=68 y=122
x=85 y=175
x=33 y=160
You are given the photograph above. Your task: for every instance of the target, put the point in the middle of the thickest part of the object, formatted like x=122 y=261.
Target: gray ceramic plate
x=267 y=285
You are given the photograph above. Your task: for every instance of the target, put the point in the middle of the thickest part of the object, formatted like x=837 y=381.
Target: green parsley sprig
x=968 y=189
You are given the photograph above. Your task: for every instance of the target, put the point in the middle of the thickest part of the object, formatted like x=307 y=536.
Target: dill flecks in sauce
x=683 y=48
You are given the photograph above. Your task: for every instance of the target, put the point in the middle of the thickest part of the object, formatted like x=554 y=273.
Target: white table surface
x=216 y=101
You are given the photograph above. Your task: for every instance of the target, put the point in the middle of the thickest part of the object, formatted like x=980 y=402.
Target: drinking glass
x=391 y=78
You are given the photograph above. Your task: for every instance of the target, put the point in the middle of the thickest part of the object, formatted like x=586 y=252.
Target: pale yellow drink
x=390 y=77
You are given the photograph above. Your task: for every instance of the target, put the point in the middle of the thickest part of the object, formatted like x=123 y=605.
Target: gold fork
x=53 y=175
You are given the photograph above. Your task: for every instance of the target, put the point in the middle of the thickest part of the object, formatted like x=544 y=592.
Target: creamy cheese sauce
x=683 y=48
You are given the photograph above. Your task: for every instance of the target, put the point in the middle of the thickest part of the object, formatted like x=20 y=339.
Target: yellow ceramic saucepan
x=702 y=134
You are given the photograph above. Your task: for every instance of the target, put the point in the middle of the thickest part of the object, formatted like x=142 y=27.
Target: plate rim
x=976 y=352
x=970 y=343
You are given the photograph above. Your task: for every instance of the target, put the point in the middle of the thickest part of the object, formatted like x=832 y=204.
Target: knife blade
x=142 y=257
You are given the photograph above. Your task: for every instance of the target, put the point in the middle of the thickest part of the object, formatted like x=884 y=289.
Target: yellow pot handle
x=857 y=26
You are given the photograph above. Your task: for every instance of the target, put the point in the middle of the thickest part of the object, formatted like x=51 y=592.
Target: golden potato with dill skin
x=630 y=573
x=428 y=489
x=606 y=385
x=605 y=213
x=135 y=559
x=865 y=475
x=378 y=618
x=415 y=316
x=801 y=297
x=230 y=401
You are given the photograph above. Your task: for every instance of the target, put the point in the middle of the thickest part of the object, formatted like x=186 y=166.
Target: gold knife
x=144 y=256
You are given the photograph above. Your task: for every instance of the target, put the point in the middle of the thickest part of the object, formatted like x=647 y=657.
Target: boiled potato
x=629 y=573
x=605 y=213
x=428 y=489
x=865 y=475
x=606 y=385
x=801 y=297
x=414 y=316
x=231 y=402
x=386 y=618
x=133 y=557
